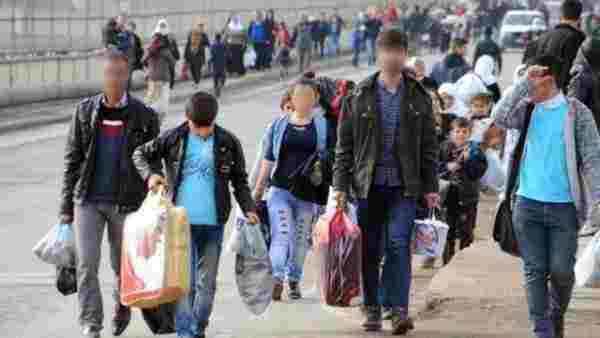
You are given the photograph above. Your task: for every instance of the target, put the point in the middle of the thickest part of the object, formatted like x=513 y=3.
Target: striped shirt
x=387 y=171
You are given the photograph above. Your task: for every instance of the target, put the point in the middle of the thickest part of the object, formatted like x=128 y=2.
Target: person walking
x=337 y=27
x=563 y=41
x=358 y=37
x=100 y=186
x=488 y=46
x=386 y=160
x=259 y=36
x=218 y=53
x=373 y=27
x=136 y=53
x=560 y=152
x=159 y=62
x=195 y=52
x=294 y=149
x=453 y=66
x=302 y=39
x=236 y=39
x=208 y=160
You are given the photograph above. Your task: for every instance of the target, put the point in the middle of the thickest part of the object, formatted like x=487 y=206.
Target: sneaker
x=277 y=291
x=295 y=292
x=401 y=325
x=90 y=332
x=589 y=230
x=387 y=314
x=373 y=320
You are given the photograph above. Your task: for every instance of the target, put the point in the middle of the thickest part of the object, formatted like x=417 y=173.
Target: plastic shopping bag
x=332 y=206
x=494 y=177
x=337 y=240
x=155 y=260
x=185 y=71
x=57 y=247
x=250 y=58
x=66 y=280
x=253 y=270
x=429 y=237
x=587 y=269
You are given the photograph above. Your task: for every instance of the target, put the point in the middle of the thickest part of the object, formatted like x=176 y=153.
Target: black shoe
x=401 y=326
x=373 y=320
x=295 y=292
x=201 y=336
x=121 y=319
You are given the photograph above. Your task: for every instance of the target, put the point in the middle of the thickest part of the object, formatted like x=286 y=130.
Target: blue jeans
x=193 y=311
x=291 y=228
x=333 y=45
x=387 y=220
x=371 y=52
x=547 y=235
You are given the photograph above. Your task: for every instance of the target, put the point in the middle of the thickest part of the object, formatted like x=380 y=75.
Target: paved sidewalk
x=481 y=294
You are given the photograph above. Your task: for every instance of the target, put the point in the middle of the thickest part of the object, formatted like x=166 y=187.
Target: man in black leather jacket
x=101 y=185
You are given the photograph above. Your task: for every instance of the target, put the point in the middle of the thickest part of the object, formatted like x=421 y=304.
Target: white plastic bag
x=587 y=269
x=495 y=176
x=57 y=247
x=253 y=271
x=250 y=58
x=429 y=237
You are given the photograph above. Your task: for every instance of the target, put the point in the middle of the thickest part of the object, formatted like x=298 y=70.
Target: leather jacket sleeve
x=239 y=179
x=344 y=153
x=73 y=159
x=429 y=155
x=147 y=158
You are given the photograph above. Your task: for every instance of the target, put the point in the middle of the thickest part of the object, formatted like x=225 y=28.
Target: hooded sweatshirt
x=585 y=82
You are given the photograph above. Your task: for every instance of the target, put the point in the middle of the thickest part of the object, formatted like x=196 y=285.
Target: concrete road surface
x=30 y=167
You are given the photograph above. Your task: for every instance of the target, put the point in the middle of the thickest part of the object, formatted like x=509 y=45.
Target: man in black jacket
x=563 y=41
x=386 y=159
x=100 y=184
x=201 y=161
x=488 y=46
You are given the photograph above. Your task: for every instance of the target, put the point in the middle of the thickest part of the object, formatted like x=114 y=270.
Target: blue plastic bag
x=57 y=247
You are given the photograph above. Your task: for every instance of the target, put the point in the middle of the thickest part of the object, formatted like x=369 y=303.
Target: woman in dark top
x=293 y=150
x=195 y=52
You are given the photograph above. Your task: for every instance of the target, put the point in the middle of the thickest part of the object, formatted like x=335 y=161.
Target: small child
x=218 y=53
x=284 y=59
x=462 y=164
x=479 y=113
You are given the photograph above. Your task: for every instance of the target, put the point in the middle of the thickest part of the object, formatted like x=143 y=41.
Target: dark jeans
x=261 y=49
x=387 y=220
x=547 y=235
x=218 y=83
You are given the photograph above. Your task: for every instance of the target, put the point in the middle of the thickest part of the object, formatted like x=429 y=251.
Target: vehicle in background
x=518 y=26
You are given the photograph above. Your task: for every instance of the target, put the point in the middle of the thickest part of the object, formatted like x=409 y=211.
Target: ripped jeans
x=291 y=228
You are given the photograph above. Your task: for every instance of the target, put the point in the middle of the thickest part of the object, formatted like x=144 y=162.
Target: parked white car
x=517 y=26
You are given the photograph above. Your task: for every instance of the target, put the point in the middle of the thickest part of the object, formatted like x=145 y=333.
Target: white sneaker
x=589 y=229
x=89 y=332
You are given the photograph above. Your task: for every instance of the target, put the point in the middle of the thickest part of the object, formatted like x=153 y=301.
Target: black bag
x=308 y=183
x=66 y=280
x=160 y=320
x=504 y=232
x=265 y=224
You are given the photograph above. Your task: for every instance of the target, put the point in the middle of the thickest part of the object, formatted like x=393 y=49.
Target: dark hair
x=553 y=63
x=218 y=37
x=489 y=30
x=202 y=109
x=462 y=123
x=571 y=9
x=114 y=54
x=392 y=39
x=482 y=96
x=306 y=82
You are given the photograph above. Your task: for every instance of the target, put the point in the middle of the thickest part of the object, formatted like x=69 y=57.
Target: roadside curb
x=177 y=95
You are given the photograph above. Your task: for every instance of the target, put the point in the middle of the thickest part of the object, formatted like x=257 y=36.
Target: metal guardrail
x=70 y=64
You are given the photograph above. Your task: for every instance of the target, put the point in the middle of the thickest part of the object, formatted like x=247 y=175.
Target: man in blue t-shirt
x=201 y=161
x=259 y=36
x=561 y=149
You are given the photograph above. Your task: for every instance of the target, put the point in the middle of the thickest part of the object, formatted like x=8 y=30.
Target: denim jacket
x=581 y=140
x=273 y=140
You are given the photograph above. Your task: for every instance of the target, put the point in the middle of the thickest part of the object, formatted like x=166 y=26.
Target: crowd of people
x=398 y=144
